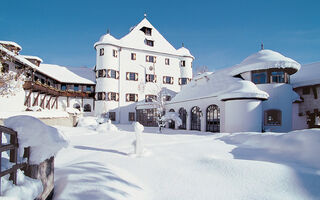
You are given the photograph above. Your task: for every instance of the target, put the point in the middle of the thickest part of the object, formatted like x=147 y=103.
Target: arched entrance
x=195 y=118
x=213 y=118
x=183 y=117
x=172 y=122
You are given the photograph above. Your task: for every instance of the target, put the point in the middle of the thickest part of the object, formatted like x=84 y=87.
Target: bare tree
x=200 y=70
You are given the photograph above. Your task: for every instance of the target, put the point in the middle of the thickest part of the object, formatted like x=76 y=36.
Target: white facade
x=131 y=54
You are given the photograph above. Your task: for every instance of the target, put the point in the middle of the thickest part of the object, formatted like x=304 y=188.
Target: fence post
x=0 y=160
x=13 y=156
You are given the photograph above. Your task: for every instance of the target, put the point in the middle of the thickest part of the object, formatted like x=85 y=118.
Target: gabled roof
x=309 y=74
x=265 y=59
x=32 y=57
x=11 y=43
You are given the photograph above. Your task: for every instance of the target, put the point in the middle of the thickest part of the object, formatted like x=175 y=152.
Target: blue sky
x=218 y=33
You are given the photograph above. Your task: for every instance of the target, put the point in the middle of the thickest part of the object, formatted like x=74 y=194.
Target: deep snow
x=187 y=165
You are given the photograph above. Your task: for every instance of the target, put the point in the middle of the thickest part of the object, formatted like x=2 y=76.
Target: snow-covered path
x=177 y=165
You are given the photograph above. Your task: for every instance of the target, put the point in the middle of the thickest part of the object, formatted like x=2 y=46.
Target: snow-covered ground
x=185 y=165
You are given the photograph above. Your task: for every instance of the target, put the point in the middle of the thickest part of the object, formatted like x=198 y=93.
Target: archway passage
x=87 y=108
x=77 y=106
x=183 y=117
x=172 y=123
x=213 y=118
x=195 y=118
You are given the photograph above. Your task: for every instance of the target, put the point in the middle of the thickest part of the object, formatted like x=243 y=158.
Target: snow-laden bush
x=11 y=83
x=172 y=116
x=87 y=121
x=106 y=127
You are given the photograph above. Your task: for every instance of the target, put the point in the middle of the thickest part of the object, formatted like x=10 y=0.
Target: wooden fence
x=12 y=147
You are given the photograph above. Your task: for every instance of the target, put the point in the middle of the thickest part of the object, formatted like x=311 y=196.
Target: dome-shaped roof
x=108 y=39
x=184 y=52
x=266 y=59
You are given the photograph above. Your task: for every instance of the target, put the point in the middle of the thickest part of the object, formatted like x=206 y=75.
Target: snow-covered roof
x=309 y=74
x=108 y=39
x=221 y=85
x=184 y=52
x=18 y=57
x=136 y=39
x=265 y=59
x=84 y=72
x=32 y=58
x=62 y=74
x=11 y=43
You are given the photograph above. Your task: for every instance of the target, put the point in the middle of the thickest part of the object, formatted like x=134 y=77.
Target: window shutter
x=154 y=59
x=136 y=77
x=109 y=96
x=117 y=74
x=97 y=74
x=96 y=96
x=179 y=81
x=171 y=80
x=136 y=97
x=128 y=75
x=164 y=79
x=147 y=58
x=108 y=73
x=103 y=96
x=117 y=96
x=104 y=73
x=127 y=97
x=155 y=79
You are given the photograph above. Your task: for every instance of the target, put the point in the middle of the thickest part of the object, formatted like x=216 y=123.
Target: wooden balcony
x=49 y=90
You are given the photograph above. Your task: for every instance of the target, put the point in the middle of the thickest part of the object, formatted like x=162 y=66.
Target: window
x=306 y=90
x=277 y=77
x=42 y=81
x=77 y=106
x=133 y=56
x=168 y=80
x=88 y=88
x=131 y=97
x=151 y=98
x=151 y=78
x=113 y=96
x=132 y=76
x=112 y=116
x=131 y=116
x=213 y=118
x=272 y=117
x=183 y=63
x=150 y=43
x=151 y=59
x=76 y=87
x=87 y=108
x=167 y=61
x=101 y=73
x=259 y=78
x=183 y=81
x=63 y=87
x=101 y=51
x=146 y=30
x=196 y=114
x=183 y=117
x=100 y=96
x=112 y=74
x=115 y=53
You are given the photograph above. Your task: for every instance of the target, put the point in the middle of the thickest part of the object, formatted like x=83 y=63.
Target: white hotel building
x=131 y=70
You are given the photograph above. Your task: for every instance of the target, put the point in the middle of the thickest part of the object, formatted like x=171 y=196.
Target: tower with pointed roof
x=131 y=70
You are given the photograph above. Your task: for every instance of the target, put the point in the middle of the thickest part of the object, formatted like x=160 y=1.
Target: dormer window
x=150 y=43
x=146 y=30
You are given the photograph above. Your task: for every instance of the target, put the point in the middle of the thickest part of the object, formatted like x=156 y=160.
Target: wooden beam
x=54 y=102
x=42 y=102
x=57 y=103
x=36 y=99
x=27 y=99
x=314 y=90
x=48 y=103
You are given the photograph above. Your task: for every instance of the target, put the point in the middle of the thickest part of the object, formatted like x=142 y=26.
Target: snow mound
x=138 y=127
x=72 y=110
x=34 y=108
x=106 y=127
x=44 y=141
x=265 y=59
x=299 y=147
x=87 y=121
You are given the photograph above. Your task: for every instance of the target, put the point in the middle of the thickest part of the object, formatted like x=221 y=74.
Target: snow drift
x=44 y=141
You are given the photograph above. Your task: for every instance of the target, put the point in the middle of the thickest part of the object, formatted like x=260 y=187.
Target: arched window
x=272 y=117
x=76 y=106
x=171 y=122
x=195 y=118
x=87 y=108
x=183 y=117
x=213 y=118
